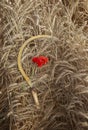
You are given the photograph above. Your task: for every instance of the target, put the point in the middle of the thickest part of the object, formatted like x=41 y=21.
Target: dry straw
x=61 y=85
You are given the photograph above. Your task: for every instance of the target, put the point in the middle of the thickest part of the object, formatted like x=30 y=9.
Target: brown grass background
x=62 y=84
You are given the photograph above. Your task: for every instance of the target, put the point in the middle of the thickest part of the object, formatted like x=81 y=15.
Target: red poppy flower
x=40 y=61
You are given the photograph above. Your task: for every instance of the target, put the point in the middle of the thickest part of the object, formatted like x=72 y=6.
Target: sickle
x=34 y=94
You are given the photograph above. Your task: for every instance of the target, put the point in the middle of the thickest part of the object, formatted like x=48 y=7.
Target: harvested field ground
x=62 y=84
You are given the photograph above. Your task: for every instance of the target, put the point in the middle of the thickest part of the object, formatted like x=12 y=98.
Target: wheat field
x=62 y=84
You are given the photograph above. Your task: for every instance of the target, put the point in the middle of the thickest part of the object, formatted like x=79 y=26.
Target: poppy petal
x=40 y=61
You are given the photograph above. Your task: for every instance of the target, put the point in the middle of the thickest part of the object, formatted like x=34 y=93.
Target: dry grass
x=62 y=84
